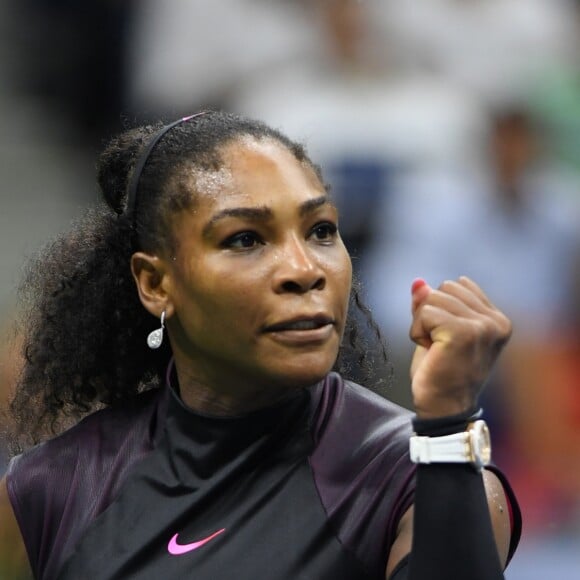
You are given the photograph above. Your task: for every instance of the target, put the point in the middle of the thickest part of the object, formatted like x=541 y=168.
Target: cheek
x=341 y=271
x=219 y=294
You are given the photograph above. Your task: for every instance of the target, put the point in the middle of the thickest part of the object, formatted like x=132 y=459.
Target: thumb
x=419 y=291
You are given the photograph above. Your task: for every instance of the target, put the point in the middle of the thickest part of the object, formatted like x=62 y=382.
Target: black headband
x=141 y=162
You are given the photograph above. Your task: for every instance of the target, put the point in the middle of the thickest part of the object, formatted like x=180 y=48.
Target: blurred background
x=449 y=131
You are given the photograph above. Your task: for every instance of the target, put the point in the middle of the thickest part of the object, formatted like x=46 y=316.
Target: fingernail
x=417 y=283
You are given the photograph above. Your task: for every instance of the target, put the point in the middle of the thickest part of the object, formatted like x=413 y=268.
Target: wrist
x=440 y=407
x=438 y=426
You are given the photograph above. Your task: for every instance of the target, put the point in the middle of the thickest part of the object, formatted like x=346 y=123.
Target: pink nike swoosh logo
x=176 y=549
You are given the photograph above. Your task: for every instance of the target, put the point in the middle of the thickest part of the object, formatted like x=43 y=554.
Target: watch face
x=480 y=443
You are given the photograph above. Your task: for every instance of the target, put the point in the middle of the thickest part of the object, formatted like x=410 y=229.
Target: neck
x=231 y=399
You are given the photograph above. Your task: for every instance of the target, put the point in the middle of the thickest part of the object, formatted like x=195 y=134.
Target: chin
x=303 y=375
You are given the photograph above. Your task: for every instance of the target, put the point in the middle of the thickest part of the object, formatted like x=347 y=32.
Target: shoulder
x=357 y=431
x=60 y=485
x=95 y=435
x=360 y=415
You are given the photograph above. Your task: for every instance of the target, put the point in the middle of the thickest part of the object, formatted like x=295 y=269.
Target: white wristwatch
x=470 y=446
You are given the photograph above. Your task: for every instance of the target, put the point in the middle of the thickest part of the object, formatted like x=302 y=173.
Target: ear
x=153 y=283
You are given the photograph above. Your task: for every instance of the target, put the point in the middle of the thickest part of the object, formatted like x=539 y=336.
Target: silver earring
x=155 y=338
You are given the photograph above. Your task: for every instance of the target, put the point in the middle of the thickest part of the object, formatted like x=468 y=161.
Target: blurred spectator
x=515 y=230
x=499 y=48
x=189 y=55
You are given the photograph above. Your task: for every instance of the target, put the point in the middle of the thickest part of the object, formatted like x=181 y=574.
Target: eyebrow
x=263 y=213
x=313 y=204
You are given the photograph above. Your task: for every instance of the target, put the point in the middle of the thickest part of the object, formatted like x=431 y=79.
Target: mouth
x=303 y=331
x=302 y=323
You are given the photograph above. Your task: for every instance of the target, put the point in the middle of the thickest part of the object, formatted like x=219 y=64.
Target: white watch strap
x=453 y=448
x=471 y=446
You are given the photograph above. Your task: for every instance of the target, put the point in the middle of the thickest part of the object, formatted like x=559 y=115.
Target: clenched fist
x=459 y=334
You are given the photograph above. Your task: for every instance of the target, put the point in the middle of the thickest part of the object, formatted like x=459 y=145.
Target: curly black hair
x=82 y=323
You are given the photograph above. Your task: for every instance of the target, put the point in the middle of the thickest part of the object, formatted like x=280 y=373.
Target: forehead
x=257 y=172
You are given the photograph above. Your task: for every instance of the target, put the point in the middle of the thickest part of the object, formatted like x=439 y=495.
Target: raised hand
x=459 y=334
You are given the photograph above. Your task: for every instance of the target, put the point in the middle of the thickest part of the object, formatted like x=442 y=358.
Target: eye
x=325 y=231
x=242 y=241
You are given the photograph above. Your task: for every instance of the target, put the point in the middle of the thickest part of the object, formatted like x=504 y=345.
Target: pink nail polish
x=417 y=283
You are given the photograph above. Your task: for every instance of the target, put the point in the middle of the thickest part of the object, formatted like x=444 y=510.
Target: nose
x=298 y=270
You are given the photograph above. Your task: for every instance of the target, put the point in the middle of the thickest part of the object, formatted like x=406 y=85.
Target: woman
x=227 y=446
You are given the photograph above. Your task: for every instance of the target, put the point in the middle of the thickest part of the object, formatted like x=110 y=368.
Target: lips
x=301 y=323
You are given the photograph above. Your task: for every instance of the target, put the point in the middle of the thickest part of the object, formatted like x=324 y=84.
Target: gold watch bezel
x=479 y=443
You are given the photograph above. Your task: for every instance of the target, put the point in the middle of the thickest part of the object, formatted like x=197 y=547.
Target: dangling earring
x=155 y=338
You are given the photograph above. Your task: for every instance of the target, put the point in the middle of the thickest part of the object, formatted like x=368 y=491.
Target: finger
x=432 y=319
x=436 y=323
x=468 y=291
x=471 y=285
x=423 y=294
x=467 y=296
x=452 y=302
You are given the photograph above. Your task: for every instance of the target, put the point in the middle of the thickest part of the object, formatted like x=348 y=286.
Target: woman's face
x=261 y=279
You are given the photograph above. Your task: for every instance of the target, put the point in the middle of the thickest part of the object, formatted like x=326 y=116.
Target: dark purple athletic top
x=312 y=488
